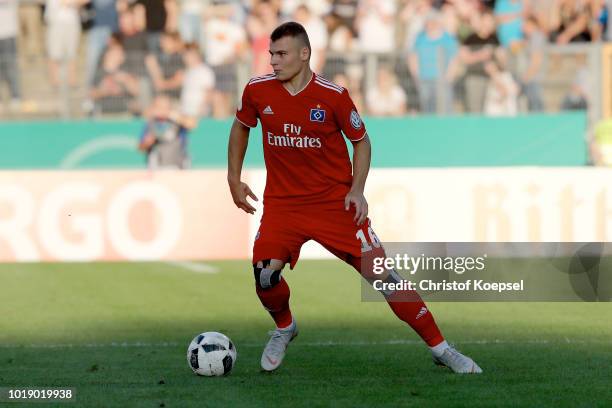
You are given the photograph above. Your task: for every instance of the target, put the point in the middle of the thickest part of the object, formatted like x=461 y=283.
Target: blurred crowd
x=430 y=56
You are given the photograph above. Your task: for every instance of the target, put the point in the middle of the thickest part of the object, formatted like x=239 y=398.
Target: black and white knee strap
x=266 y=277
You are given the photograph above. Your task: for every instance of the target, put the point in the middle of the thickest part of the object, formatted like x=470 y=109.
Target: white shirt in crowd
x=316 y=7
x=341 y=40
x=56 y=12
x=199 y=82
x=194 y=7
x=390 y=103
x=376 y=32
x=223 y=39
x=497 y=104
x=8 y=19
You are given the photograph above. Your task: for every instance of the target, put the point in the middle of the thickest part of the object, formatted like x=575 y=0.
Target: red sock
x=408 y=307
x=416 y=314
x=276 y=302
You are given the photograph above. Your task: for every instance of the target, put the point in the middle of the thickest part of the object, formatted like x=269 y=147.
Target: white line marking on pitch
x=90 y=345
x=297 y=343
x=194 y=266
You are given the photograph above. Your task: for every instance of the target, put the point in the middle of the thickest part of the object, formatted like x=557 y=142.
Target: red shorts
x=283 y=232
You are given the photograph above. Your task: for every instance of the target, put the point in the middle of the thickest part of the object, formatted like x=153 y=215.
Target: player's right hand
x=240 y=191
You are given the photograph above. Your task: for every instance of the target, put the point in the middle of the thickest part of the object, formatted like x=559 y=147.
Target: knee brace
x=265 y=277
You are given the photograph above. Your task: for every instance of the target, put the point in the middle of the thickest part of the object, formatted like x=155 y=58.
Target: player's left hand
x=360 y=203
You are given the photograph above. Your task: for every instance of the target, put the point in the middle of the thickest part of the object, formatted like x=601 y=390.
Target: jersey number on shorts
x=365 y=246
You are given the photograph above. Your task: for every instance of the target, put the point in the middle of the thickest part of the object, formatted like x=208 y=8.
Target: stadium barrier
x=182 y=215
x=428 y=141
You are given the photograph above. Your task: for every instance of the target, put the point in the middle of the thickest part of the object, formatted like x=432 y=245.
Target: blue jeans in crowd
x=428 y=97
x=533 y=92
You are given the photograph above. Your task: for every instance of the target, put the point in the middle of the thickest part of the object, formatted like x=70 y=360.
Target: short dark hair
x=192 y=46
x=533 y=20
x=291 y=29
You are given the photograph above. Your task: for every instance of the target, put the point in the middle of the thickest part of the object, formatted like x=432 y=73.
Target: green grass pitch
x=118 y=333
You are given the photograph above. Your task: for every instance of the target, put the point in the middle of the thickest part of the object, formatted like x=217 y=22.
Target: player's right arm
x=238 y=142
x=237 y=146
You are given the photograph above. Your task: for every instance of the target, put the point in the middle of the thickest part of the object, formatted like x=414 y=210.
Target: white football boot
x=274 y=352
x=457 y=362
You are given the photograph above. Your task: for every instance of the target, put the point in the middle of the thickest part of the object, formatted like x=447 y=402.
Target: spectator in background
x=413 y=17
x=260 y=23
x=502 y=91
x=105 y=22
x=375 y=26
x=543 y=12
x=341 y=37
x=198 y=85
x=113 y=87
x=225 y=45
x=606 y=15
x=386 y=98
x=30 y=18
x=466 y=14
x=599 y=22
x=343 y=81
x=351 y=81
x=577 y=97
x=63 y=34
x=167 y=68
x=164 y=137
x=317 y=7
x=433 y=65
x=571 y=21
x=476 y=50
x=532 y=77
x=317 y=34
x=341 y=43
x=451 y=20
x=9 y=72
x=509 y=15
x=190 y=20
x=134 y=41
x=346 y=11
x=159 y=15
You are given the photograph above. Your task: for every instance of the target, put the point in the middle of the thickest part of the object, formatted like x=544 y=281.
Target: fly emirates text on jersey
x=292 y=138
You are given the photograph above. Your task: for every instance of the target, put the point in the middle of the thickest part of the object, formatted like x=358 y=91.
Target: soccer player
x=312 y=191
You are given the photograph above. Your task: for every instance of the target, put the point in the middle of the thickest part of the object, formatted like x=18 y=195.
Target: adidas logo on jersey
x=268 y=110
x=421 y=312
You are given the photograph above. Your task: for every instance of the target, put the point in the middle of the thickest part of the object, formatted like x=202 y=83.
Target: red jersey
x=306 y=157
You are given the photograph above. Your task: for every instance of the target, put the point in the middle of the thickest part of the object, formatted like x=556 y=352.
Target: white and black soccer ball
x=211 y=354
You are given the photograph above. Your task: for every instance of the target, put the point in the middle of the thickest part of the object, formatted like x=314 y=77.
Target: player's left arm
x=362 y=152
x=352 y=126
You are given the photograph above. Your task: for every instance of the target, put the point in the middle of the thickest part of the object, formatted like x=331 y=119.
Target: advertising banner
x=180 y=215
x=118 y=215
